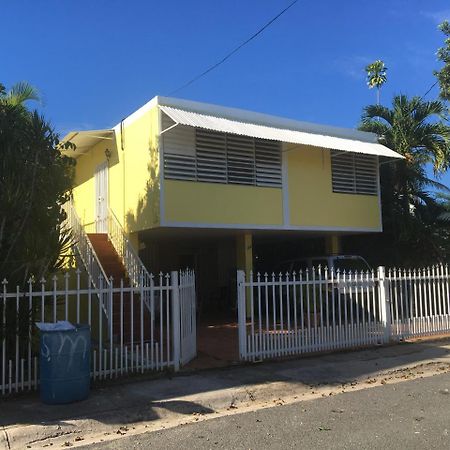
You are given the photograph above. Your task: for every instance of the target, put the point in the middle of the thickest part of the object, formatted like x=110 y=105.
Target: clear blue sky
x=97 y=61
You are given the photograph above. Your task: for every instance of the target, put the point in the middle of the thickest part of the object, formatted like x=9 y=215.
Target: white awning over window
x=209 y=122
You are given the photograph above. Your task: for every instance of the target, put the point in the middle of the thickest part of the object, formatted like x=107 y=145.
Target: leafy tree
x=35 y=181
x=376 y=76
x=413 y=228
x=443 y=54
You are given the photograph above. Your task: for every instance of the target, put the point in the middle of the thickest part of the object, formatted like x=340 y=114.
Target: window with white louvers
x=179 y=151
x=221 y=158
x=211 y=154
x=240 y=159
x=354 y=173
x=268 y=162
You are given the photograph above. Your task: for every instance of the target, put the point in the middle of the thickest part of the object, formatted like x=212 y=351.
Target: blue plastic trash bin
x=64 y=362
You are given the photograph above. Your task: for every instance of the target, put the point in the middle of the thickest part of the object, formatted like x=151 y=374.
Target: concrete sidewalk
x=141 y=406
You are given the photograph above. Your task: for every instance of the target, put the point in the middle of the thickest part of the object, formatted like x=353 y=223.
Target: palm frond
x=444 y=216
x=377 y=111
x=20 y=93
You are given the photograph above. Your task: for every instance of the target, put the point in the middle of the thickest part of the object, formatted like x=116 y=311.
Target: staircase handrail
x=85 y=249
x=135 y=268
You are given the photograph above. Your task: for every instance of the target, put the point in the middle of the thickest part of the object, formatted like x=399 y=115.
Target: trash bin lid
x=61 y=325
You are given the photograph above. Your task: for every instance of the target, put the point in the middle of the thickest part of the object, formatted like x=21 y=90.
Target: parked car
x=347 y=293
x=336 y=262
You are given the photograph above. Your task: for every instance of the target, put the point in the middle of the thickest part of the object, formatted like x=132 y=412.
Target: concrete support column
x=244 y=252
x=333 y=244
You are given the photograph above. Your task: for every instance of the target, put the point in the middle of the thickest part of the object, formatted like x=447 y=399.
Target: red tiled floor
x=217 y=345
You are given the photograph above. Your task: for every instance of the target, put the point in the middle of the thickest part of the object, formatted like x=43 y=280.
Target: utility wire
x=217 y=64
x=430 y=89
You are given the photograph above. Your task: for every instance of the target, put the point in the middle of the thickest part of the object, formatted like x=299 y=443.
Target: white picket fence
x=152 y=325
x=136 y=339
x=419 y=301
x=321 y=309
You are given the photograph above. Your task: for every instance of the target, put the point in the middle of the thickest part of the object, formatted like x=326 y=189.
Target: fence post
x=111 y=325
x=385 y=307
x=241 y=314
x=176 y=319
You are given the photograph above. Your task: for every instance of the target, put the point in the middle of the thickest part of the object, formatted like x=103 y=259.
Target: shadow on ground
x=196 y=392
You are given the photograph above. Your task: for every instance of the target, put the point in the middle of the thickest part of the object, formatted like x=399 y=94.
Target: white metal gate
x=188 y=321
x=101 y=198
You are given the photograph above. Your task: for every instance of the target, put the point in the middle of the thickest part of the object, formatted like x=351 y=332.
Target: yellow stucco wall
x=141 y=194
x=312 y=202
x=214 y=203
x=133 y=176
x=134 y=190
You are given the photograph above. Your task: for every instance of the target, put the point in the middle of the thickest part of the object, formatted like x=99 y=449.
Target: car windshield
x=353 y=264
x=319 y=262
x=296 y=266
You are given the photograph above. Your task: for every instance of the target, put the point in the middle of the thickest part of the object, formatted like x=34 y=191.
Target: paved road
x=408 y=415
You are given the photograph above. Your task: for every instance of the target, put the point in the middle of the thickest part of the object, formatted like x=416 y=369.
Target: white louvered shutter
x=354 y=173
x=268 y=163
x=240 y=159
x=366 y=174
x=211 y=156
x=179 y=151
x=203 y=155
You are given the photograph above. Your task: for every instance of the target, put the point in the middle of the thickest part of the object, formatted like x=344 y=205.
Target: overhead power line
x=235 y=50
x=429 y=90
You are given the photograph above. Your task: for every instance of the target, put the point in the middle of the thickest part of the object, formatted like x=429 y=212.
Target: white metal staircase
x=87 y=254
x=114 y=248
x=135 y=268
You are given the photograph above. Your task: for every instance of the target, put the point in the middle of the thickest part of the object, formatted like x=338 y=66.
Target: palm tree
x=414 y=128
x=444 y=201
x=19 y=93
x=376 y=76
x=443 y=54
x=417 y=130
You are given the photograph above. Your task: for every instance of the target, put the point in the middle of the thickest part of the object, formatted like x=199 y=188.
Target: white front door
x=101 y=198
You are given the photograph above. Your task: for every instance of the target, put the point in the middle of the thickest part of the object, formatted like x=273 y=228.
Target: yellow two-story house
x=214 y=188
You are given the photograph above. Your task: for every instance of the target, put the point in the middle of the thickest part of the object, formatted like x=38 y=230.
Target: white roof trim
x=226 y=125
x=85 y=140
